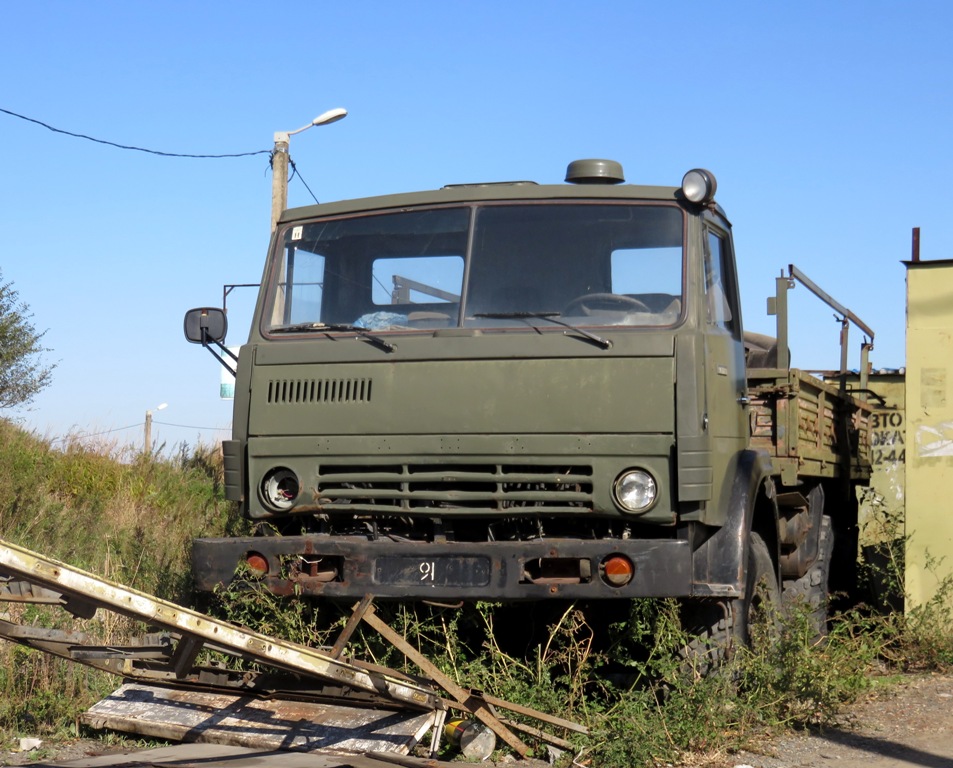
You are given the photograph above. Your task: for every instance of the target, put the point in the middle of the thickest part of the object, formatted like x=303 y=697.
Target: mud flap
x=719 y=563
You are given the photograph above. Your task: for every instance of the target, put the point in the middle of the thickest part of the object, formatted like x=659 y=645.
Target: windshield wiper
x=328 y=328
x=550 y=317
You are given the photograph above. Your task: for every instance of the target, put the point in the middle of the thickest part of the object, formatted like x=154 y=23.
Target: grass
x=113 y=512
x=132 y=518
x=642 y=700
x=127 y=516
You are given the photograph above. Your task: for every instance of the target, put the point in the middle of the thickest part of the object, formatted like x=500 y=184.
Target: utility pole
x=147 y=441
x=147 y=437
x=280 y=157
x=279 y=177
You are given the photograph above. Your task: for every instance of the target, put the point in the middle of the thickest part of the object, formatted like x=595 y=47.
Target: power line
x=84 y=435
x=95 y=434
x=125 y=146
x=296 y=172
x=190 y=426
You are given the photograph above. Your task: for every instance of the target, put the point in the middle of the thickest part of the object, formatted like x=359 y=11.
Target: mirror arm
x=225 y=364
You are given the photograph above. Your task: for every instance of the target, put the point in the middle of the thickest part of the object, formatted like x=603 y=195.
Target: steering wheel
x=593 y=301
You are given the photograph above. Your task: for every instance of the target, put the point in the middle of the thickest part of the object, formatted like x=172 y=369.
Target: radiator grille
x=282 y=391
x=490 y=487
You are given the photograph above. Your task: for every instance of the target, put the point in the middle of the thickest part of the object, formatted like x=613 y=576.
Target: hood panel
x=533 y=396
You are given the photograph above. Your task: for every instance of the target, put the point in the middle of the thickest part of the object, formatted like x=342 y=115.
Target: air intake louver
x=319 y=391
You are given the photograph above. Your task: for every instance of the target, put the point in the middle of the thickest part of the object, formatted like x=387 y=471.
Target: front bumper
x=348 y=567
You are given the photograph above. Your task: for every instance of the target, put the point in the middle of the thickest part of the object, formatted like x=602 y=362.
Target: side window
x=299 y=289
x=719 y=284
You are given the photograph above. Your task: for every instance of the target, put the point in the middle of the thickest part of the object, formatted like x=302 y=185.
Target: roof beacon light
x=594 y=172
x=699 y=185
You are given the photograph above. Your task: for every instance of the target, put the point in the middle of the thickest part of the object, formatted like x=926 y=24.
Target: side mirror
x=205 y=324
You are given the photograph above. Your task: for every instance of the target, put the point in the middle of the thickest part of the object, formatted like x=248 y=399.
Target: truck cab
x=505 y=391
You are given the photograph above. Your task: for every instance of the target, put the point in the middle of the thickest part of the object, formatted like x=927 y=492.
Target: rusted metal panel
x=14 y=590
x=404 y=569
x=203 y=716
x=809 y=426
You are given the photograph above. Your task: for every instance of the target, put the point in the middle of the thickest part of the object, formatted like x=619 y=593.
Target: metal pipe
x=844 y=334
x=782 y=286
x=832 y=303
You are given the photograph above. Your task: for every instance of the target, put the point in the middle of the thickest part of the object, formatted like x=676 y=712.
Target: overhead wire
x=126 y=146
x=140 y=425
x=95 y=434
x=270 y=152
x=296 y=172
x=189 y=426
x=160 y=153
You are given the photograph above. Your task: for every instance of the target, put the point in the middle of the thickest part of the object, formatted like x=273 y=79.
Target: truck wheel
x=717 y=628
x=811 y=589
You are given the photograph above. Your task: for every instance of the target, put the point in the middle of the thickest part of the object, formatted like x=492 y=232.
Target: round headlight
x=635 y=490
x=699 y=185
x=279 y=489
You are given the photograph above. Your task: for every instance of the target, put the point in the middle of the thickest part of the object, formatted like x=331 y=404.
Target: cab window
x=720 y=297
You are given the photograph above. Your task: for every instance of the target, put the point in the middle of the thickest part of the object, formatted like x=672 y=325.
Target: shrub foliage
x=622 y=672
x=23 y=373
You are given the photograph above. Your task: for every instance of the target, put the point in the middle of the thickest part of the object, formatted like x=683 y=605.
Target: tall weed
x=927 y=630
x=132 y=518
x=631 y=682
x=118 y=514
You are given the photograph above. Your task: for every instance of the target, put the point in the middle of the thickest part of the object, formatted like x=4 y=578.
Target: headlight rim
x=618 y=496
x=703 y=181
x=275 y=475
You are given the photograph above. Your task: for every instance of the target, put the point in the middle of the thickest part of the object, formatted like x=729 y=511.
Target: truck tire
x=811 y=589
x=717 y=628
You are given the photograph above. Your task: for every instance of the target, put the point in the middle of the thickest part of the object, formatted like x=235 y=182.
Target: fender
x=720 y=562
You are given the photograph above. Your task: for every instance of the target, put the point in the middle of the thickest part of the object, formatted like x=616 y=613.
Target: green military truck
x=515 y=392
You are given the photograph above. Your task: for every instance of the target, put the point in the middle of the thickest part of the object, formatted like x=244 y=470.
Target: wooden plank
x=352 y=623
x=186 y=652
x=569 y=725
x=536 y=732
x=246 y=721
x=464 y=699
x=223 y=756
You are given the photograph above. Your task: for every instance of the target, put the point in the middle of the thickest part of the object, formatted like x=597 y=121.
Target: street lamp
x=147 y=441
x=279 y=161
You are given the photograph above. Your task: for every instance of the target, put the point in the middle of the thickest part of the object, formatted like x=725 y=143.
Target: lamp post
x=147 y=441
x=279 y=161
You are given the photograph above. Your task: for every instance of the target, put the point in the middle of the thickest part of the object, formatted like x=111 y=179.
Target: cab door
x=726 y=384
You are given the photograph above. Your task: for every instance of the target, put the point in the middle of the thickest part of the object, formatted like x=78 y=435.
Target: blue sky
x=827 y=124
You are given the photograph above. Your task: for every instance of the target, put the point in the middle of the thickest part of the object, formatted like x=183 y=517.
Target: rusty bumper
x=351 y=566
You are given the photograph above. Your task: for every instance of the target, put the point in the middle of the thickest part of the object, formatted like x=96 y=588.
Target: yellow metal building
x=883 y=503
x=929 y=429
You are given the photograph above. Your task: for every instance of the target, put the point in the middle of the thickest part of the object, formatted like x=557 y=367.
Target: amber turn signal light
x=257 y=564
x=617 y=570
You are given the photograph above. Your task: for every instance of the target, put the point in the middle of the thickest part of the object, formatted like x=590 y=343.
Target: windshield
x=587 y=264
